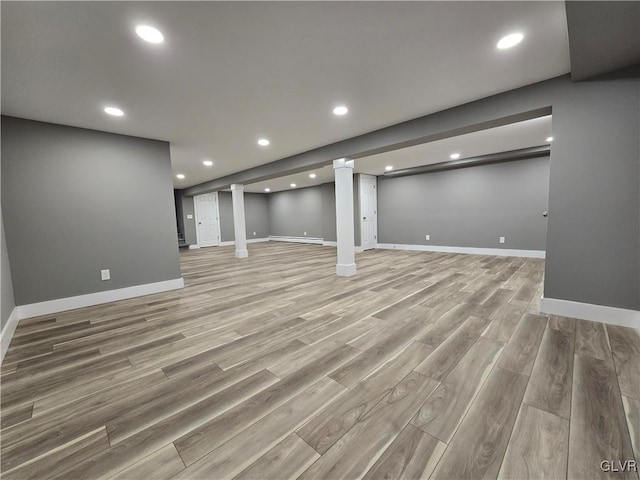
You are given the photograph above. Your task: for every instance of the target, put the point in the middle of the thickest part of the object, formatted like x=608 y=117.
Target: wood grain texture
x=538 y=447
x=549 y=388
x=598 y=424
x=138 y=446
x=448 y=354
x=358 y=368
x=443 y=411
x=361 y=446
x=478 y=446
x=233 y=456
x=632 y=412
x=226 y=361
x=565 y=324
x=163 y=464
x=520 y=353
x=288 y=459
x=625 y=346
x=340 y=415
x=591 y=340
x=16 y=415
x=504 y=320
x=413 y=454
x=53 y=461
x=204 y=439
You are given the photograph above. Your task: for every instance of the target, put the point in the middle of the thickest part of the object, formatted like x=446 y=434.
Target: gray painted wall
x=76 y=201
x=6 y=286
x=329 y=212
x=189 y=223
x=468 y=207
x=256 y=215
x=184 y=208
x=311 y=209
x=226 y=216
x=293 y=212
x=593 y=242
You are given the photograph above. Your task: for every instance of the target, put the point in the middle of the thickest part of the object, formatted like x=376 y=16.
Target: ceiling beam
x=500 y=157
x=526 y=103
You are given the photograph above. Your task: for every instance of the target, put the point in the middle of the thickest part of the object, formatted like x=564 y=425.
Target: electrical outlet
x=105 y=274
x=427 y=237
x=189 y=217
x=305 y=234
x=254 y=234
x=501 y=239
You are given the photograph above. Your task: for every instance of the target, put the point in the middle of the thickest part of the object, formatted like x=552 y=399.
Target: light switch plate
x=105 y=274
x=189 y=217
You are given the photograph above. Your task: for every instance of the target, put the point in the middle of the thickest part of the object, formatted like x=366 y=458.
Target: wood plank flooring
x=423 y=365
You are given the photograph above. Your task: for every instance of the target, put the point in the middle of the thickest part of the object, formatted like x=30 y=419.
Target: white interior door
x=207 y=227
x=368 y=211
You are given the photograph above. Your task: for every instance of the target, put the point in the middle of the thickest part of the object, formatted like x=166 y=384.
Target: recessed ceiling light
x=116 y=112
x=312 y=175
x=293 y=185
x=180 y=176
x=510 y=41
x=340 y=110
x=267 y=189
x=388 y=168
x=549 y=139
x=454 y=156
x=149 y=34
x=263 y=142
x=207 y=163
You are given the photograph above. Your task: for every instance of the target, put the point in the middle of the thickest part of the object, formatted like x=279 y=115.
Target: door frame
x=360 y=203
x=195 y=212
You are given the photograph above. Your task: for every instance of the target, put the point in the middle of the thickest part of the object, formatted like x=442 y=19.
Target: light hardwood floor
x=424 y=365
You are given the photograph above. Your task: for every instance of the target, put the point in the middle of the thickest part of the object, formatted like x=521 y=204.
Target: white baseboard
x=90 y=299
x=346 y=270
x=588 y=311
x=277 y=238
x=7 y=332
x=194 y=247
x=500 y=252
x=229 y=243
x=329 y=243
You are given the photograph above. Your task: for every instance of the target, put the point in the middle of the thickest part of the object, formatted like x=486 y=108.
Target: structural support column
x=237 y=197
x=346 y=265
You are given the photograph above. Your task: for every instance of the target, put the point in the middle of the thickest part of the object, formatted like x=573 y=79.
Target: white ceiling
x=530 y=133
x=229 y=73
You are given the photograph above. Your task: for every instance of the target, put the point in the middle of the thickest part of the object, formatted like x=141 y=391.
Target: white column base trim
x=194 y=247
x=345 y=270
x=8 y=331
x=588 y=311
x=500 y=252
x=90 y=299
x=278 y=238
x=242 y=253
